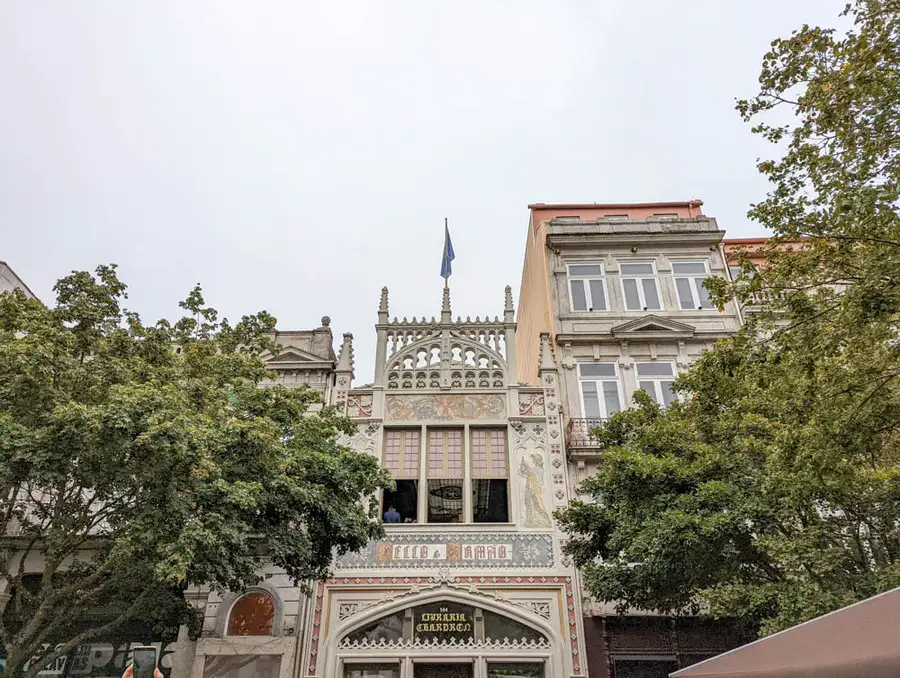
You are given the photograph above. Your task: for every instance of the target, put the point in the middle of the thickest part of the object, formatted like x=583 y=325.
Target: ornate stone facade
x=433 y=376
x=478 y=549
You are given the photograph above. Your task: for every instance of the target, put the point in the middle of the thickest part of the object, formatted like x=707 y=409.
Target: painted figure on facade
x=531 y=469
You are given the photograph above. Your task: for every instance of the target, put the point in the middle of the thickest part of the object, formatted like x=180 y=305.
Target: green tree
x=135 y=459
x=771 y=492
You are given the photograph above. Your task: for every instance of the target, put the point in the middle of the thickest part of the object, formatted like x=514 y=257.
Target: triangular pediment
x=651 y=326
x=295 y=355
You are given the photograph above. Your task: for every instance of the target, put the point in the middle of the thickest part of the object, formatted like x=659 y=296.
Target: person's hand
x=129 y=672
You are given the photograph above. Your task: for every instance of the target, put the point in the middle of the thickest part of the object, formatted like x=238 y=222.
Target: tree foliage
x=771 y=492
x=136 y=459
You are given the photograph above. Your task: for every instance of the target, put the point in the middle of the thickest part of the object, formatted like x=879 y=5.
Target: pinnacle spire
x=383 y=306
x=445 y=306
x=345 y=358
x=547 y=361
x=509 y=312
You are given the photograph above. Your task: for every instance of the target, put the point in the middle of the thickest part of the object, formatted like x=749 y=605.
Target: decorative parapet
x=440 y=353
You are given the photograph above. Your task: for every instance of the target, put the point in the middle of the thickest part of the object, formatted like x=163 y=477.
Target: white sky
x=296 y=156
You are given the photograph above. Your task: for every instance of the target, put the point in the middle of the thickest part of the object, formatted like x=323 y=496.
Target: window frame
x=692 y=279
x=401 y=473
x=604 y=415
x=640 y=288
x=588 y=295
x=472 y=477
x=446 y=474
x=656 y=380
x=466 y=476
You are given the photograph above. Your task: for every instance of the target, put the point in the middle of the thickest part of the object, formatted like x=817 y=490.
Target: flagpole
x=446 y=278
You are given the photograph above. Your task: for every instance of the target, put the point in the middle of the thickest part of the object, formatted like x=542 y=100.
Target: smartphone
x=144 y=661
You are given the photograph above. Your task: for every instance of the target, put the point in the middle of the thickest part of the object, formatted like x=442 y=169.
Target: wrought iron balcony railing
x=578 y=433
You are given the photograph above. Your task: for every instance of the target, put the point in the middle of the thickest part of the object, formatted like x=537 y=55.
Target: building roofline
x=620 y=205
x=19 y=278
x=745 y=241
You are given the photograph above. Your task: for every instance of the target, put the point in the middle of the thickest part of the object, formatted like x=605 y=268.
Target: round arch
x=553 y=654
x=223 y=614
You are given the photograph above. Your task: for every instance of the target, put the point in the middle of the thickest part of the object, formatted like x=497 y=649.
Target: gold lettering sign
x=444 y=621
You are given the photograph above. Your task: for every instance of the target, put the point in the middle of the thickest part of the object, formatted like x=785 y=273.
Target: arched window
x=253 y=614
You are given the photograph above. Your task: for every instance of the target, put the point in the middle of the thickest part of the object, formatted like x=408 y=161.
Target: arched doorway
x=446 y=637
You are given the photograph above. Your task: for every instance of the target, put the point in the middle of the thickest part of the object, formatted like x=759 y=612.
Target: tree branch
x=68 y=646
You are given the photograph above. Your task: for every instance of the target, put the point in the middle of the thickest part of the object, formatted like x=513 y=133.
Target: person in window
x=391 y=515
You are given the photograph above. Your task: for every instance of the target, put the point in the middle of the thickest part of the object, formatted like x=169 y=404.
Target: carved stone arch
x=418 y=357
x=476 y=599
x=558 y=644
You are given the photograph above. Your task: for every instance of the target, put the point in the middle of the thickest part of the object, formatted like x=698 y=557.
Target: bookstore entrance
x=445 y=639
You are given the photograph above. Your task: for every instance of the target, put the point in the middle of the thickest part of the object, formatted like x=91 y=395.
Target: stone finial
x=547 y=362
x=326 y=321
x=445 y=307
x=345 y=358
x=383 y=305
x=508 y=310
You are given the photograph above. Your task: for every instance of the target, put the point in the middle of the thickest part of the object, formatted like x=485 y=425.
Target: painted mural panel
x=495 y=550
x=440 y=407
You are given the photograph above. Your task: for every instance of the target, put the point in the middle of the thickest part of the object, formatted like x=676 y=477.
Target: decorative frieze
x=439 y=407
x=539 y=607
x=359 y=405
x=472 y=550
x=531 y=404
x=365 y=438
x=347 y=610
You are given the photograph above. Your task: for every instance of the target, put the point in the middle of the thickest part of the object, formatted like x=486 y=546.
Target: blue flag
x=446 y=268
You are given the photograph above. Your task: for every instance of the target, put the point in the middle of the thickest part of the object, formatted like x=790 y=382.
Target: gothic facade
x=470 y=579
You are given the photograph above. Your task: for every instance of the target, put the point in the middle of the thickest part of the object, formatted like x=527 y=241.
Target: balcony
x=579 y=439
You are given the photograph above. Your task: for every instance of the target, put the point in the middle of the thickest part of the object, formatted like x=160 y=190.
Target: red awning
x=858 y=641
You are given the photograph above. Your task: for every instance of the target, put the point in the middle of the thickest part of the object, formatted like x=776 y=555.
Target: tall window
x=599 y=384
x=490 y=476
x=639 y=286
x=401 y=460
x=656 y=379
x=587 y=287
x=445 y=476
x=689 y=277
x=442 y=483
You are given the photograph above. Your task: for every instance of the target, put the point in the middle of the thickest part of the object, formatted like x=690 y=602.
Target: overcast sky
x=296 y=156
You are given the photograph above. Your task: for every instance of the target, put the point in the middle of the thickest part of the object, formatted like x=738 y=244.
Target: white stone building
x=618 y=288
